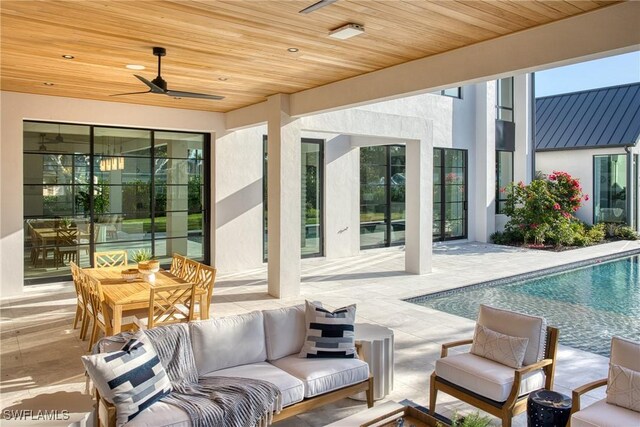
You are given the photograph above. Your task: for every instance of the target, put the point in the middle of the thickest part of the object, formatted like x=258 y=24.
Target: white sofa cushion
x=291 y=387
x=499 y=347
x=517 y=325
x=324 y=375
x=228 y=341
x=485 y=377
x=602 y=414
x=284 y=331
x=161 y=414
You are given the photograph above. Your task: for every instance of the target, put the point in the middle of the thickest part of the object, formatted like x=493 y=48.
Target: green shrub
x=596 y=233
x=507 y=237
x=626 y=233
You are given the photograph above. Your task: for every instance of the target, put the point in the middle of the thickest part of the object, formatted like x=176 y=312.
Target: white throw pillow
x=329 y=333
x=498 y=347
x=132 y=378
x=623 y=387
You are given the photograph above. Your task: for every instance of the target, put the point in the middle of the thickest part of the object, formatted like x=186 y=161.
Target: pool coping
x=524 y=276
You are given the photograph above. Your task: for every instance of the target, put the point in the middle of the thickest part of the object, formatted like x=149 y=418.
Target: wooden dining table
x=123 y=296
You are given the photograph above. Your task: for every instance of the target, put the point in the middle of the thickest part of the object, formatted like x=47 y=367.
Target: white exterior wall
x=579 y=164
x=17 y=107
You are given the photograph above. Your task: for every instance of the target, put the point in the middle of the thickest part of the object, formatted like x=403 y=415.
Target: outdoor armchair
x=491 y=385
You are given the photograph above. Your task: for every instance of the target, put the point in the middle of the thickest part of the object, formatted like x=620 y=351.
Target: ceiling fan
x=43 y=138
x=159 y=85
x=317 y=5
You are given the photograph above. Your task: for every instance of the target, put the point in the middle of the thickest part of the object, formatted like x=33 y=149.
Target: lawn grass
x=194 y=222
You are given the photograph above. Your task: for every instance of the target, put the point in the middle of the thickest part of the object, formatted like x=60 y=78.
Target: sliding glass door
x=449 y=194
x=610 y=188
x=92 y=188
x=382 y=196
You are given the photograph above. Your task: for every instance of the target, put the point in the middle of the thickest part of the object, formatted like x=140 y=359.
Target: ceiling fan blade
x=152 y=87
x=130 y=93
x=318 y=5
x=181 y=94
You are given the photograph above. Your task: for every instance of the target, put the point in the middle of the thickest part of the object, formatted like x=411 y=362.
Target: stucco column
x=522 y=162
x=284 y=192
x=419 y=206
x=485 y=179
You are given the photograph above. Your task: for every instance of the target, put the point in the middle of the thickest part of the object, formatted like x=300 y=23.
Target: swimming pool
x=589 y=305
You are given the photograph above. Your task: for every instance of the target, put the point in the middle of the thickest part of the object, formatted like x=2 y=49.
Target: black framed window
x=449 y=194
x=312 y=198
x=97 y=188
x=453 y=92
x=504 y=101
x=382 y=196
x=504 y=176
x=610 y=188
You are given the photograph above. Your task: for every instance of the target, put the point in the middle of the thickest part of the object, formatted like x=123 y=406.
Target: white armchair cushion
x=623 y=387
x=321 y=376
x=291 y=387
x=499 y=347
x=228 y=341
x=284 y=330
x=517 y=325
x=485 y=377
x=602 y=414
x=625 y=353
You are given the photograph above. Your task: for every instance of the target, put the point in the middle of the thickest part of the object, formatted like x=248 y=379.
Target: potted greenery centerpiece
x=146 y=264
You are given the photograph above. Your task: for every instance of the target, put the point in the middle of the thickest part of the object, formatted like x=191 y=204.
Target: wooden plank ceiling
x=238 y=48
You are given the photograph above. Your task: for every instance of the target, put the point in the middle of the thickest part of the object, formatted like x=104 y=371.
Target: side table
x=377 y=349
x=547 y=408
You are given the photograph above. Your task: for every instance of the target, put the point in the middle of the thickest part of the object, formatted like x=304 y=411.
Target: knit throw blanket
x=209 y=401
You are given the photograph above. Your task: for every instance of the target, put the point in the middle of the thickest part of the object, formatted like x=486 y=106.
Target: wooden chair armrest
x=517 y=379
x=448 y=345
x=575 y=395
x=359 y=351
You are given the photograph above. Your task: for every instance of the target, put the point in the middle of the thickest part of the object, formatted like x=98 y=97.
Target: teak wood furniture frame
x=106 y=412
x=514 y=404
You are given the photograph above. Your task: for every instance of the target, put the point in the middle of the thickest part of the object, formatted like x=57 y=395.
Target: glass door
x=449 y=194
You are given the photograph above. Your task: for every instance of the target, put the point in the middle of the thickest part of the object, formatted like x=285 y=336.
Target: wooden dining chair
x=66 y=246
x=169 y=304
x=177 y=264
x=81 y=305
x=190 y=270
x=109 y=259
x=101 y=312
x=205 y=280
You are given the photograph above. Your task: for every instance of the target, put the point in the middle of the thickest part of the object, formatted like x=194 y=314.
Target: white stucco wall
x=579 y=164
x=17 y=107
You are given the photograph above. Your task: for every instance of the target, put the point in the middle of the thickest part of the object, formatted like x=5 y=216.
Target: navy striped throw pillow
x=329 y=333
x=132 y=378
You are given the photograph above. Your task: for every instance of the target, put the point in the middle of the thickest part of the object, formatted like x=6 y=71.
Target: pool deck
x=40 y=353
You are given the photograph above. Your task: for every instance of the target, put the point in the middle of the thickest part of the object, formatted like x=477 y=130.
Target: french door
x=449 y=194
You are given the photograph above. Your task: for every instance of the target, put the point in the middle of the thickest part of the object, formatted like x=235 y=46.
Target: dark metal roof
x=606 y=117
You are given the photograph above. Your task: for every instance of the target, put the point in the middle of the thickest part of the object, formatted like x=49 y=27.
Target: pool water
x=589 y=305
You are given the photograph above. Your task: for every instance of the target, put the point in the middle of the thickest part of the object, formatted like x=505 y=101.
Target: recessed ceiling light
x=223 y=79
x=176 y=97
x=135 y=67
x=347 y=31
x=68 y=56
x=293 y=49
x=48 y=84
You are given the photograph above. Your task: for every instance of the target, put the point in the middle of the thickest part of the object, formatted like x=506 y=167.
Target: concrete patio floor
x=40 y=353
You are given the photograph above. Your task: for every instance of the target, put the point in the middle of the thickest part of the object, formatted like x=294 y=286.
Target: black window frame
x=443 y=202
x=500 y=196
x=443 y=92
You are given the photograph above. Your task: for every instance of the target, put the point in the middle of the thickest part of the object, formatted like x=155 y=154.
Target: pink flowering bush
x=544 y=210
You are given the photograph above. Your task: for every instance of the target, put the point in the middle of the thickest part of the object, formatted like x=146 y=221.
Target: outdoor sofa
x=263 y=345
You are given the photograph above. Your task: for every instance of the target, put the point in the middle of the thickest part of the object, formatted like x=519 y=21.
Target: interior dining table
x=122 y=296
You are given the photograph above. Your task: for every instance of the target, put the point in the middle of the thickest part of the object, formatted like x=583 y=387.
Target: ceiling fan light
x=347 y=31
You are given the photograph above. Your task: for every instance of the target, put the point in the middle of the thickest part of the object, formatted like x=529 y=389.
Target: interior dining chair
x=205 y=280
x=177 y=264
x=101 y=312
x=81 y=306
x=109 y=259
x=190 y=270
x=169 y=304
x=66 y=246
x=493 y=386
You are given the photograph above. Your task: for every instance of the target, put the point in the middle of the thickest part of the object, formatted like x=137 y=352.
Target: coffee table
x=386 y=415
